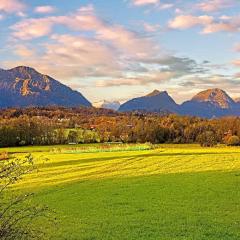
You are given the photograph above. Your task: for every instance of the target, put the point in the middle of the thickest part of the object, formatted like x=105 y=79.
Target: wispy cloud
x=45 y=9
x=24 y=51
x=208 y=23
x=188 y=21
x=85 y=19
x=143 y=80
x=110 y=51
x=215 y=5
x=157 y=4
x=145 y=2
x=82 y=48
x=12 y=6
x=151 y=27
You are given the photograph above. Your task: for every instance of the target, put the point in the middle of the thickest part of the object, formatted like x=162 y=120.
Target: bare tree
x=19 y=217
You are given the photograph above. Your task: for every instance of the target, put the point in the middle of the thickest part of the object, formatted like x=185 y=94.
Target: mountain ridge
x=208 y=103
x=23 y=86
x=155 y=101
x=215 y=96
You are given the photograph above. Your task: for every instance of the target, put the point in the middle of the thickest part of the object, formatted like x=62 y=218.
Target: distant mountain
x=156 y=101
x=210 y=103
x=216 y=97
x=24 y=86
x=115 y=105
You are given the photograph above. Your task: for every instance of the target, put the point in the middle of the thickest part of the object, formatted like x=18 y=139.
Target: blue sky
x=120 y=49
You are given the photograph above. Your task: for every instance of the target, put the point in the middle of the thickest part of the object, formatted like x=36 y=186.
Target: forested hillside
x=47 y=126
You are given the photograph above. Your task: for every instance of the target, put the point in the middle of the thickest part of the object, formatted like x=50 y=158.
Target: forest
x=54 y=125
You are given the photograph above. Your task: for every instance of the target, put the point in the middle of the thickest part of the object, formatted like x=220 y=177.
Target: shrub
x=207 y=139
x=233 y=141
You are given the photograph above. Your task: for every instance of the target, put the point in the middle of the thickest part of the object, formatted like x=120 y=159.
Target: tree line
x=48 y=126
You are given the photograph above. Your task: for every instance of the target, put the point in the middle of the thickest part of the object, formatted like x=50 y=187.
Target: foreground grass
x=172 y=192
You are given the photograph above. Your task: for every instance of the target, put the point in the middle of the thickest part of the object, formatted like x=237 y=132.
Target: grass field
x=138 y=193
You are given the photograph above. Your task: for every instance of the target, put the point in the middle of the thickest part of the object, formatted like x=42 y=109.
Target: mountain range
x=209 y=103
x=24 y=86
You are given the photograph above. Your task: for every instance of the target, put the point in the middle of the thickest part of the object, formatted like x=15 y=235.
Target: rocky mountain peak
x=23 y=86
x=215 y=96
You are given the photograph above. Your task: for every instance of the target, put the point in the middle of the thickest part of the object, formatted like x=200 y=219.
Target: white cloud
x=96 y=50
x=145 y=2
x=32 y=28
x=12 y=6
x=209 y=24
x=23 y=51
x=166 y=6
x=45 y=9
x=87 y=9
x=215 y=5
x=66 y=57
x=119 y=37
x=157 y=4
x=188 y=21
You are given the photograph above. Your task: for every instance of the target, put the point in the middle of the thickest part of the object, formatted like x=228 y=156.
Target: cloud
x=166 y=68
x=142 y=80
x=145 y=2
x=104 y=53
x=67 y=57
x=188 y=21
x=23 y=51
x=85 y=20
x=151 y=27
x=208 y=23
x=215 y=5
x=198 y=83
x=12 y=6
x=87 y=9
x=32 y=28
x=166 y=6
x=128 y=42
x=157 y=4
x=109 y=50
x=45 y=9
x=236 y=63
x=220 y=27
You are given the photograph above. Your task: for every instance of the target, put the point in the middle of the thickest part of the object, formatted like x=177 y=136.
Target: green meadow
x=137 y=192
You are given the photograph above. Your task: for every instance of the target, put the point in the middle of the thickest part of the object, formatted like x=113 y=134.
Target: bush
x=233 y=141
x=207 y=139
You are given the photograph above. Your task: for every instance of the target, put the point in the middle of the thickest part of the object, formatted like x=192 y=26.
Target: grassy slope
x=174 y=192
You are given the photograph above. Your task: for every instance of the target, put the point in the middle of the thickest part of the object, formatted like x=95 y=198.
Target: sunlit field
x=126 y=192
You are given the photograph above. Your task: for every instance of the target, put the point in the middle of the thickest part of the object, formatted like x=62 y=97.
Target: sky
x=120 y=49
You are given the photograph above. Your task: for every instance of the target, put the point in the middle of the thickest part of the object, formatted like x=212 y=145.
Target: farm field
x=129 y=192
